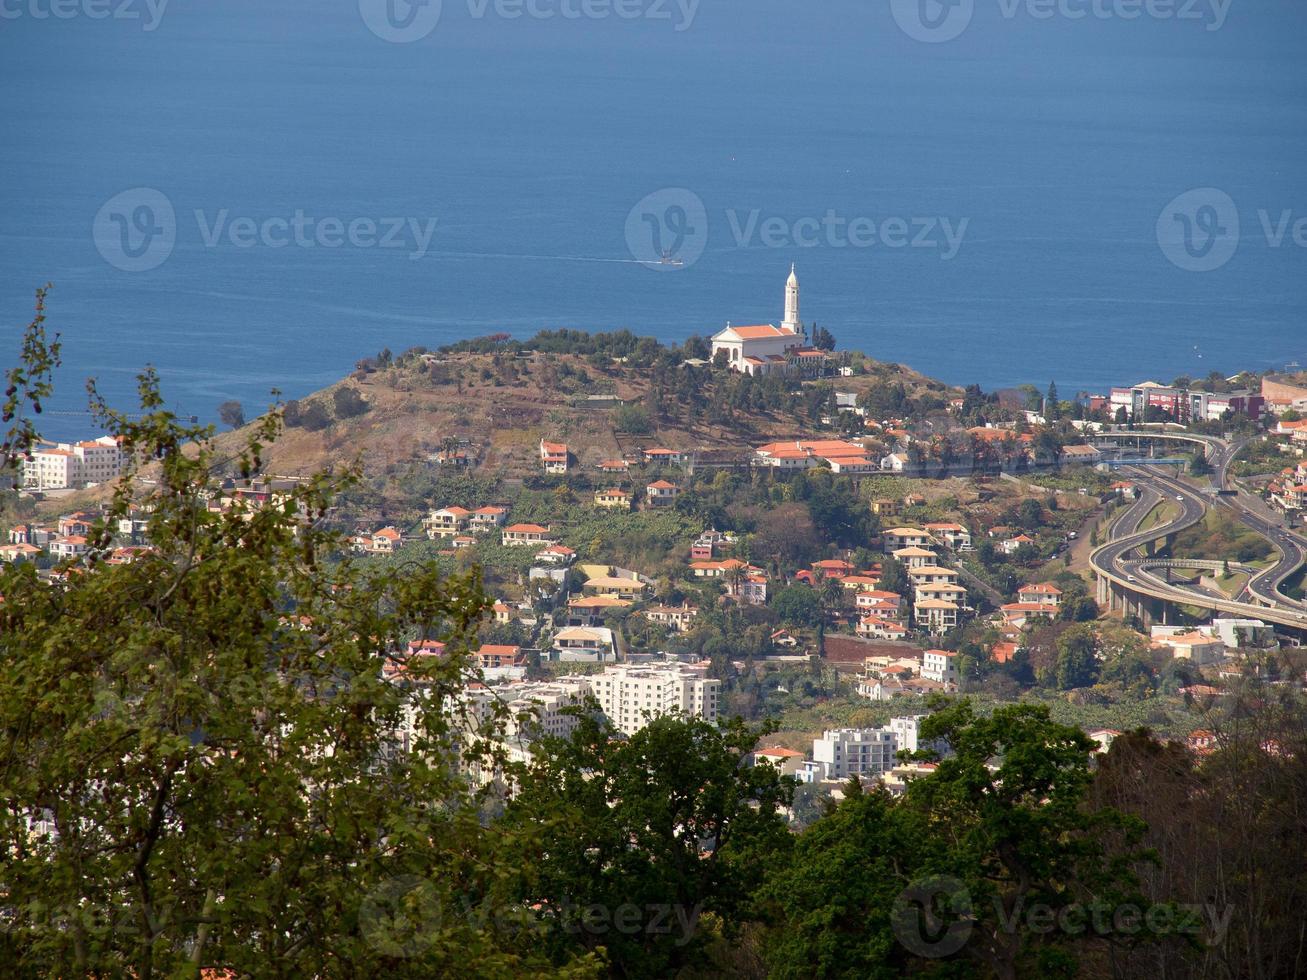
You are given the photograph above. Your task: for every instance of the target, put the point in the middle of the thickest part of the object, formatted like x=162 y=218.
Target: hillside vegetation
x=604 y=395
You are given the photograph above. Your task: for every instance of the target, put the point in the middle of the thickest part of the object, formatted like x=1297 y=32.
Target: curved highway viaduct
x=1124 y=583
x=1265 y=587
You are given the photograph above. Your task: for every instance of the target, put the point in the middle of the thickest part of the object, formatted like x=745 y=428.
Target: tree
x=633 y=419
x=786 y=533
x=697 y=347
x=1052 y=407
x=232 y=414
x=1078 y=608
x=1030 y=515
x=893 y=576
x=348 y=402
x=834 y=923
x=1077 y=662
x=1020 y=834
x=822 y=338
x=314 y=416
x=200 y=764
x=1002 y=826
x=798 y=605
x=642 y=837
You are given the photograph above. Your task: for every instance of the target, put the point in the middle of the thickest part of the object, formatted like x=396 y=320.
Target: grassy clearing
x=1163 y=513
x=1233 y=583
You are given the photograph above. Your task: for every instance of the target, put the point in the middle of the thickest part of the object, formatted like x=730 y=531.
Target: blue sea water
x=1058 y=141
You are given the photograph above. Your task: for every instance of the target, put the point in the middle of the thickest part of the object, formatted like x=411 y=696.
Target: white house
x=940 y=666
x=906 y=537
x=586 y=644
x=555 y=456
x=446 y=522
x=526 y=534
x=787 y=761
x=954 y=536
x=1040 y=592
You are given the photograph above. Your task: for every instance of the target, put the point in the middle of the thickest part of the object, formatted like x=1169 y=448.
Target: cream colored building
x=72 y=464
x=632 y=695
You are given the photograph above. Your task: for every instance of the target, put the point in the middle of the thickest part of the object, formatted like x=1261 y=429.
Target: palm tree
x=832 y=595
x=735 y=576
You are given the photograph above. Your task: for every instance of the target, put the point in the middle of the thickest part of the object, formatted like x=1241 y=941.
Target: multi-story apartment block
x=844 y=752
x=68 y=465
x=630 y=696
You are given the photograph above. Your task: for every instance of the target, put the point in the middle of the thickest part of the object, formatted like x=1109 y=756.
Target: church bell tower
x=791 y=323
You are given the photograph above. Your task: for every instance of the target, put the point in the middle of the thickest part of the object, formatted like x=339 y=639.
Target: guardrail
x=1122 y=547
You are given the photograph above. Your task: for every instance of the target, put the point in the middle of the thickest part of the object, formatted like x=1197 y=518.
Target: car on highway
x=1131 y=578
x=1179 y=496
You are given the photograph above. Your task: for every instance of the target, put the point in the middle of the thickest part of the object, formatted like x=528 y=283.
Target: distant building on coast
x=766 y=349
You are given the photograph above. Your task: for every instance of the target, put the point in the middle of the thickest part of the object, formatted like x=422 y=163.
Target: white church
x=767 y=349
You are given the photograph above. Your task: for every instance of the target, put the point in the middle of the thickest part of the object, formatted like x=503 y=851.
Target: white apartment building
x=68 y=465
x=844 y=752
x=534 y=709
x=632 y=695
x=906 y=732
x=940 y=666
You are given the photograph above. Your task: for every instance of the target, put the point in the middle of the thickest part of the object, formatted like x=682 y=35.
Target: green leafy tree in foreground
x=199 y=768
x=1000 y=829
x=651 y=846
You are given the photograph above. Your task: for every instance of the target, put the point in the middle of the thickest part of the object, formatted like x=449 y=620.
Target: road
x=1246 y=507
x=1116 y=563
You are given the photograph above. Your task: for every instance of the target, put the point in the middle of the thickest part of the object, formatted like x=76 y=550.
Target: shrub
x=349 y=403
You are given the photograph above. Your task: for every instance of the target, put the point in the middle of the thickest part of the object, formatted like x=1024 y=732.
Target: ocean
x=253 y=195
